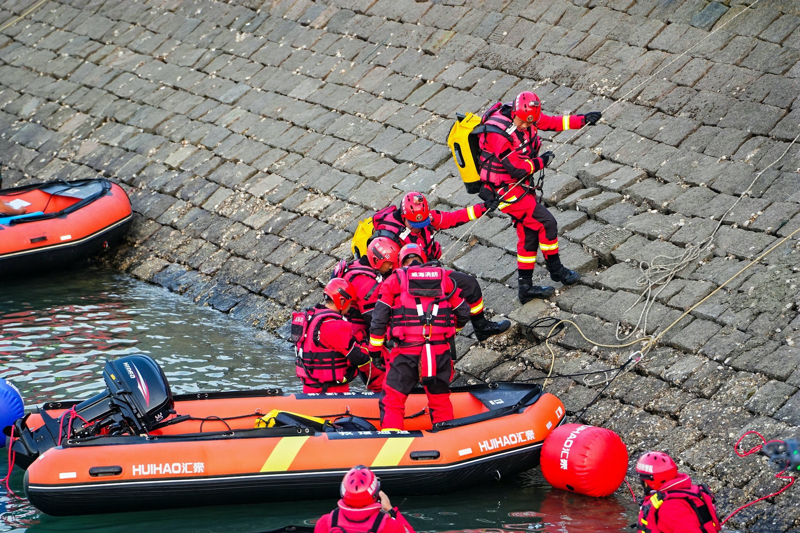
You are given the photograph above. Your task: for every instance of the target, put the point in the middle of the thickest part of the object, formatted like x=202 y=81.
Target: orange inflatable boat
x=135 y=447
x=64 y=221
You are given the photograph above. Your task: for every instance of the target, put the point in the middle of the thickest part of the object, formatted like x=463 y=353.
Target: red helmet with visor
x=382 y=250
x=415 y=210
x=340 y=292
x=655 y=469
x=527 y=107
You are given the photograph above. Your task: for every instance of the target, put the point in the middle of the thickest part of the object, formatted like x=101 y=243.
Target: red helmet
x=415 y=209
x=655 y=469
x=360 y=487
x=340 y=292
x=381 y=250
x=412 y=249
x=527 y=107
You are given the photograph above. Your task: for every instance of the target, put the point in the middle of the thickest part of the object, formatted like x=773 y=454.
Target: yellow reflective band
x=643 y=521
x=548 y=247
x=507 y=203
x=532 y=167
x=374 y=341
x=471 y=212
x=566 y=122
x=656 y=501
x=393 y=450
x=522 y=259
x=477 y=309
x=284 y=453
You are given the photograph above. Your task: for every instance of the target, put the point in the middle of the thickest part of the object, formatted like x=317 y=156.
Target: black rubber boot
x=528 y=291
x=559 y=273
x=565 y=276
x=486 y=328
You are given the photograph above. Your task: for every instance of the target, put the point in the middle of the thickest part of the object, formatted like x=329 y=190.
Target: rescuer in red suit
x=364 y=507
x=366 y=275
x=415 y=222
x=329 y=353
x=420 y=308
x=672 y=504
x=510 y=153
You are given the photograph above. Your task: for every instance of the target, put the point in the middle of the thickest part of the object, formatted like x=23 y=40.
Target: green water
x=57 y=331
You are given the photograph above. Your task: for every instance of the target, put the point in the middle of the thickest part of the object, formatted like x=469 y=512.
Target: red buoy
x=584 y=459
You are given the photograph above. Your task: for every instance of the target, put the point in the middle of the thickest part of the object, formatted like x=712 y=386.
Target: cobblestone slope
x=253 y=136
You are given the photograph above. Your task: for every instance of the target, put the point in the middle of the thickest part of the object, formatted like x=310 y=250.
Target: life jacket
x=496 y=120
x=317 y=365
x=388 y=223
x=422 y=313
x=348 y=272
x=340 y=524
x=698 y=497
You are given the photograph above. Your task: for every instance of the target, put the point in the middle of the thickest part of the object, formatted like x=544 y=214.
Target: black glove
x=592 y=117
x=547 y=157
x=491 y=204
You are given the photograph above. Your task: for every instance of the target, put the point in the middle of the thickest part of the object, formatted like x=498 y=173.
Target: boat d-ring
x=497 y=475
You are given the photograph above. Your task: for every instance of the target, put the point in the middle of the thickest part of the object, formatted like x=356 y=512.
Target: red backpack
x=699 y=498
x=316 y=364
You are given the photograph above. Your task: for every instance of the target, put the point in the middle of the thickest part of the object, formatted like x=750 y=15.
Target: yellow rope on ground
x=649 y=340
x=24 y=14
x=753 y=262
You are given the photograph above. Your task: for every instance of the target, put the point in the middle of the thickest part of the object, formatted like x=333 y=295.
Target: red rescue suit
x=420 y=306
x=362 y=520
x=366 y=281
x=388 y=222
x=679 y=507
x=328 y=354
x=509 y=155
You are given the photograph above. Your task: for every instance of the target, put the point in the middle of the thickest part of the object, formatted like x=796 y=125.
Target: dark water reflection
x=56 y=333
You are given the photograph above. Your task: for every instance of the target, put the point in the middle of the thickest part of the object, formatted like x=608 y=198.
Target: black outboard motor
x=137 y=398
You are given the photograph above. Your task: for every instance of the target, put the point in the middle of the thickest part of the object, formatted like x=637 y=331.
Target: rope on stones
x=637 y=356
x=556 y=327
x=662 y=269
x=30 y=10
x=654 y=340
x=780 y=475
x=657 y=72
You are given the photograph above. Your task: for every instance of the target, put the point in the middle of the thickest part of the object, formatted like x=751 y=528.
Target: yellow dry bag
x=277 y=418
x=463 y=144
x=361 y=236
